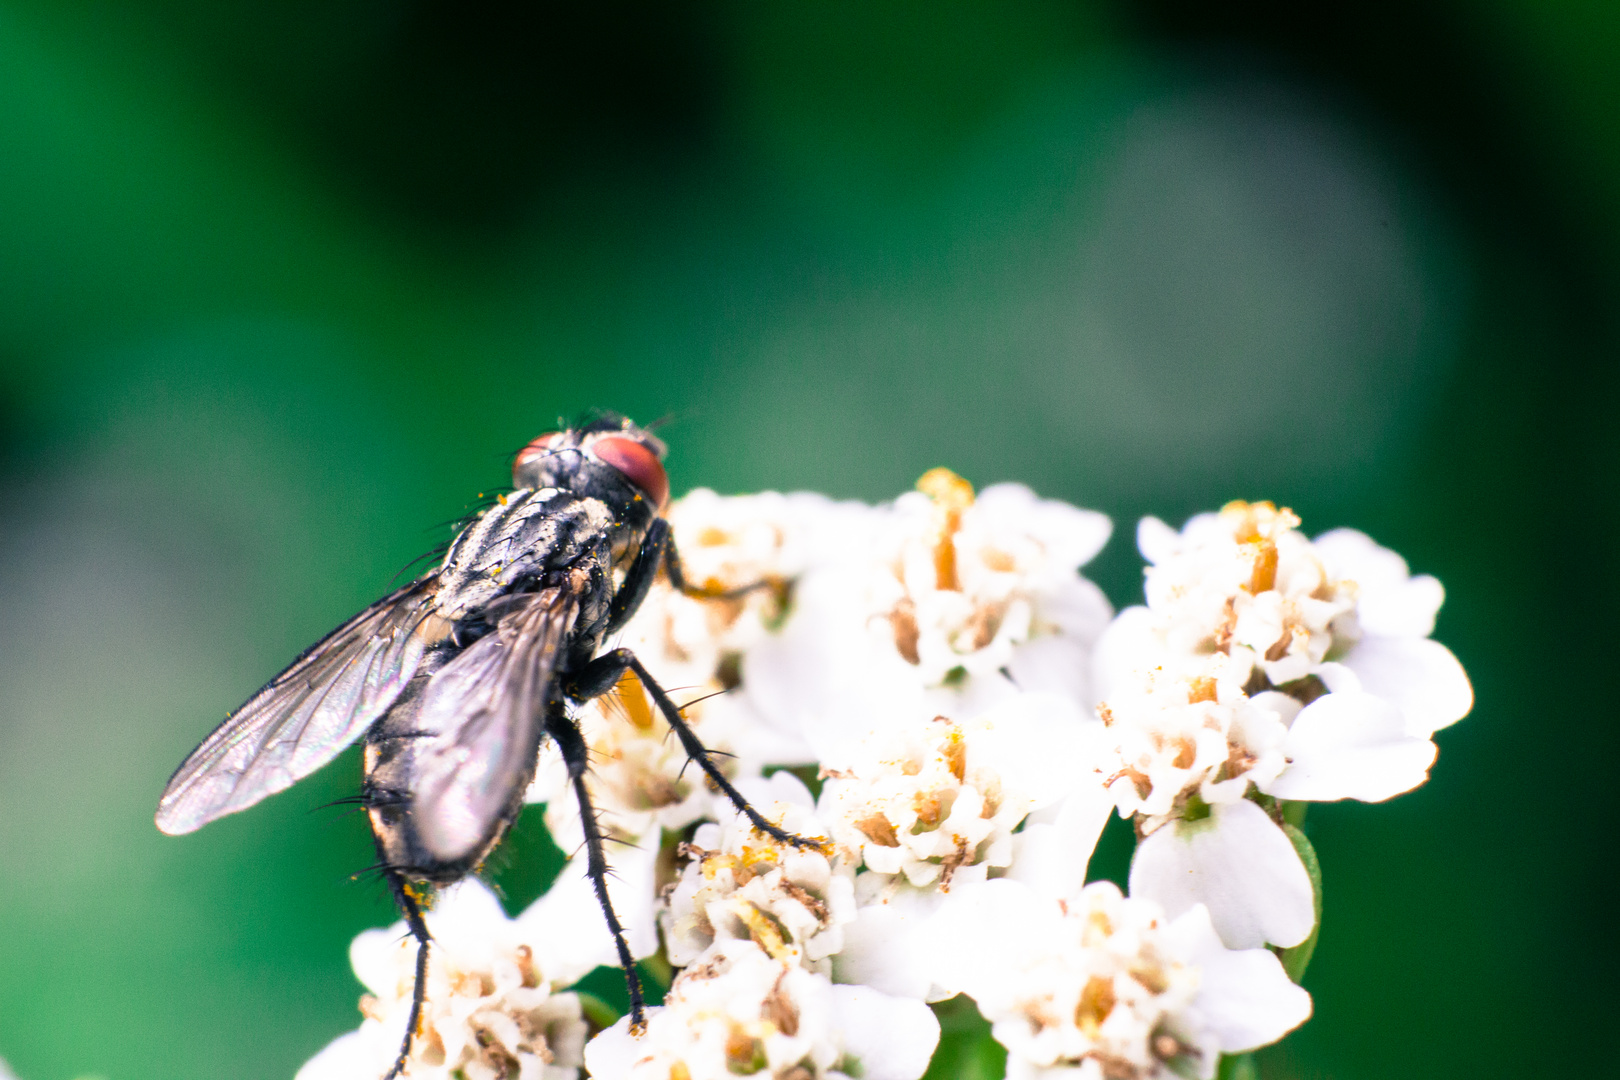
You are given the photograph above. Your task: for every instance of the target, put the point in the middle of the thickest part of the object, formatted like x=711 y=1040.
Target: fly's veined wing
x=305 y=716
x=480 y=723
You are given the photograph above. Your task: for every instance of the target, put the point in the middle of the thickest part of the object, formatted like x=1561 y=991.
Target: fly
x=455 y=679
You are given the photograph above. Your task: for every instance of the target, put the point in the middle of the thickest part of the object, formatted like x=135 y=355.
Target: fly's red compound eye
x=537 y=449
x=638 y=464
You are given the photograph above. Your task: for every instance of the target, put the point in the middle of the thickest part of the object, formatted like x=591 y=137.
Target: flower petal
x=1351 y=746
x=343 y=1058
x=1052 y=858
x=1053 y=664
x=1389 y=602
x=1156 y=540
x=1125 y=646
x=613 y=1051
x=565 y=927
x=1420 y=677
x=892 y=1038
x=1243 y=994
x=1073 y=536
x=1237 y=863
x=891 y=946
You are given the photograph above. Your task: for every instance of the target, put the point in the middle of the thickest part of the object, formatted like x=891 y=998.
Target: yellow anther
x=951 y=496
x=763 y=929
x=634 y=700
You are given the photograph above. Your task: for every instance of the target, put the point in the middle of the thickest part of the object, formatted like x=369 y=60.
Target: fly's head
x=607 y=458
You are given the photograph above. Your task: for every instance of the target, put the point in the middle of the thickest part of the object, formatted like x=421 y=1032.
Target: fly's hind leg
x=572 y=746
x=603 y=673
x=412 y=909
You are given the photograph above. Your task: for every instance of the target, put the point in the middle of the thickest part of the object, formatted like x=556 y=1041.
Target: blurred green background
x=283 y=284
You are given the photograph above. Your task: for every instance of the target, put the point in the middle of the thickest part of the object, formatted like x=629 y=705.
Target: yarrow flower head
x=1102 y=987
x=936 y=800
x=1175 y=739
x=965 y=581
x=1246 y=584
x=492 y=1010
x=762 y=543
x=736 y=1011
x=1264 y=662
x=950 y=602
x=1249 y=623
x=738 y=883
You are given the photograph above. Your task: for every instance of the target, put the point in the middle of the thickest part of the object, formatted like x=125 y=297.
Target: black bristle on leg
x=412 y=909
x=597 y=867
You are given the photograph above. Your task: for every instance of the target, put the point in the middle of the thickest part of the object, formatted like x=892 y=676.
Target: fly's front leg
x=677 y=577
x=572 y=746
x=639 y=578
x=658 y=549
x=603 y=673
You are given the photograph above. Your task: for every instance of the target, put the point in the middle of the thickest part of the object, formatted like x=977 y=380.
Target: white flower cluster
x=740 y=884
x=972 y=714
x=492 y=1007
x=1101 y=985
x=1264 y=662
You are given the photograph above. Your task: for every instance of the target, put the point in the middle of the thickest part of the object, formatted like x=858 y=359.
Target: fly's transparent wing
x=306 y=716
x=480 y=726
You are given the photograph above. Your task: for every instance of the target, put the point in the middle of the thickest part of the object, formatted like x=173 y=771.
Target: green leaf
x=598 y=1013
x=966 y=1051
x=1237 y=1067
x=1296 y=959
x=1294 y=812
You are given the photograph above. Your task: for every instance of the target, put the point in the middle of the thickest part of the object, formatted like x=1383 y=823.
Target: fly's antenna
x=674 y=416
x=663 y=421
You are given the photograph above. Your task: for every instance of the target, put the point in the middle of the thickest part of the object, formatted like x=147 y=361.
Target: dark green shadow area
x=526 y=863
x=1111 y=861
x=966 y=1050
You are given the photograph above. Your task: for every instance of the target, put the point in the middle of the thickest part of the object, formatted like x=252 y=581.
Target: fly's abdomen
x=430 y=838
x=390 y=766
x=447 y=766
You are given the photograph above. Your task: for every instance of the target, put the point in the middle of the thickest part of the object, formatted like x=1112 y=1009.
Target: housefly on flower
x=455 y=679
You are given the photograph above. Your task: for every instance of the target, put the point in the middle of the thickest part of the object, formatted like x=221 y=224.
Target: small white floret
x=1237 y=863
x=491 y=1010
x=1104 y=986
x=640 y=779
x=1265 y=660
x=737 y=1011
x=739 y=883
x=965 y=599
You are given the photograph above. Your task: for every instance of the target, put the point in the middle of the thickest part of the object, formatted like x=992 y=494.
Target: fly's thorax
x=523 y=539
